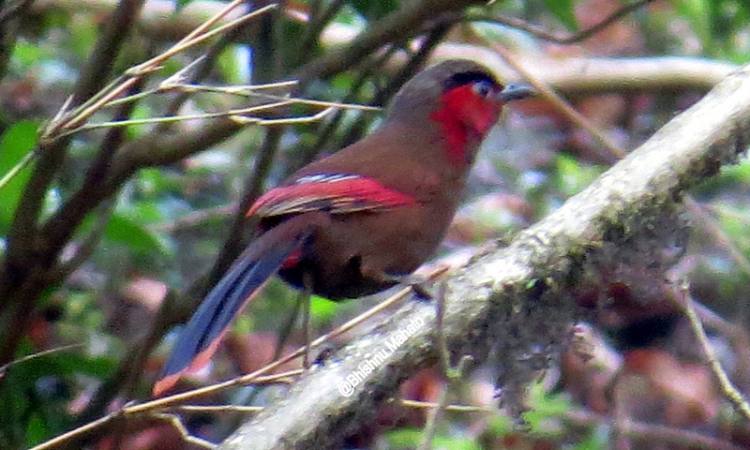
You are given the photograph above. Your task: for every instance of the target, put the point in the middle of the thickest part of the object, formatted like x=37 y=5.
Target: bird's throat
x=463 y=121
x=456 y=137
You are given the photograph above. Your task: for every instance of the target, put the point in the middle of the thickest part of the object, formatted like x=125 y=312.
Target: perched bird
x=363 y=219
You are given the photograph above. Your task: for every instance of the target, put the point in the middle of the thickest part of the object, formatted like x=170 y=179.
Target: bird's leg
x=416 y=282
x=306 y=300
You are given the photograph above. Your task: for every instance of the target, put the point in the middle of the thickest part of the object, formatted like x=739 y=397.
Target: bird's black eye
x=483 y=88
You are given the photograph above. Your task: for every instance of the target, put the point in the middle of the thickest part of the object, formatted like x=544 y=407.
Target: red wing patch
x=335 y=193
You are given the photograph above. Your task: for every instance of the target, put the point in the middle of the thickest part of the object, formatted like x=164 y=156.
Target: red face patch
x=463 y=114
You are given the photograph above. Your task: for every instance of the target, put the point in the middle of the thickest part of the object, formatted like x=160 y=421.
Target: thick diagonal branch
x=498 y=288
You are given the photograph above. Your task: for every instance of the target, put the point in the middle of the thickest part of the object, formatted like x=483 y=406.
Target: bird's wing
x=335 y=193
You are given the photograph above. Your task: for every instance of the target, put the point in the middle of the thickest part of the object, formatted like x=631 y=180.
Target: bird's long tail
x=201 y=336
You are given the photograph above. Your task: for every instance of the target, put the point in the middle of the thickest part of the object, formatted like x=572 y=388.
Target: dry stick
x=75 y=433
x=284 y=121
x=196 y=35
x=306 y=299
x=172 y=119
x=176 y=422
x=416 y=404
x=20 y=165
x=727 y=388
x=189 y=88
x=560 y=103
x=281 y=101
x=220 y=409
x=541 y=33
x=116 y=87
x=249 y=378
x=451 y=375
x=4 y=368
x=27 y=250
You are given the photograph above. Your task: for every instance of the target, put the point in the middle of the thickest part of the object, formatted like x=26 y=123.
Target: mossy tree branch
x=501 y=288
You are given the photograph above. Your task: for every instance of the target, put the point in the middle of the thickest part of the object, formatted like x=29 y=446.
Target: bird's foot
x=417 y=283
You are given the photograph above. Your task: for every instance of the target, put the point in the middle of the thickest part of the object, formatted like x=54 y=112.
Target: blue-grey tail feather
x=226 y=299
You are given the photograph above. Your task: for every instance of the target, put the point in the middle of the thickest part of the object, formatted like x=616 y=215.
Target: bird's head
x=462 y=98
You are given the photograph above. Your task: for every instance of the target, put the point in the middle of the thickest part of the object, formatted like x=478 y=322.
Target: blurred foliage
x=16 y=142
x=165 y=228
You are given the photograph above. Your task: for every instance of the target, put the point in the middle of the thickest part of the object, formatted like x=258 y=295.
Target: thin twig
x=75 y=433
x=729 y=390
x=4 y=368
x=235 y=114
x=283 y=121
x=199 y=35
x=454 y=377
x=451 y=375
x=559 y=103
x=219 y=409
x=440 y=342
x=454 y=408
x=20 y=165
x=189 y=88
x=176 y=422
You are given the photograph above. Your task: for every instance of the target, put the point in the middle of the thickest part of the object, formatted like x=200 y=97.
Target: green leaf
x=228 y=64
x=598 y=439
x=698 y=12
x=573 y=176
x=564 y=10
x=25 y=55
x=36 y=430
x=543 y=418
x=322 y=309
x=15 y=144
x=134 y=235
x=410 y=438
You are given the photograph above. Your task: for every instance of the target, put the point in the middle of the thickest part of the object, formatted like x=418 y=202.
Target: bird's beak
x=515 y=92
